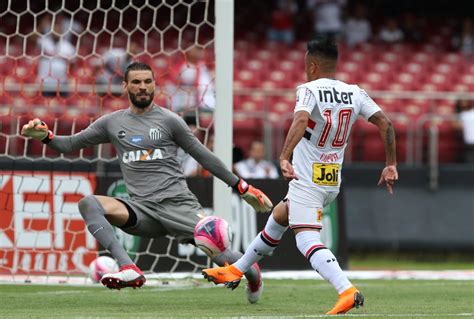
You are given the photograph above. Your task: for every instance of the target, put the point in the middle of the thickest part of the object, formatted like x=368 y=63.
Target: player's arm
x=93 y=135
x=305 y=103
x=295 y=134
x=372 y=113
x=190 y=144
x=387 y=133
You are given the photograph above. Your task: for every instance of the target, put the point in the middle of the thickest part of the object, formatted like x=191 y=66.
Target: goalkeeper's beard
x=139 y=102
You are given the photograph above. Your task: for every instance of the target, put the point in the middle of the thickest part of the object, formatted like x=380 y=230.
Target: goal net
x=63 y=61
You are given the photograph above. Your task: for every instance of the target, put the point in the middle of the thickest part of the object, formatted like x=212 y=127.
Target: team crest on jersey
x=154 y=134
x=319 y=215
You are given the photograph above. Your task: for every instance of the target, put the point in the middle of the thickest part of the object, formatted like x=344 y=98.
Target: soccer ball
x=101 y=266
x=212 y=235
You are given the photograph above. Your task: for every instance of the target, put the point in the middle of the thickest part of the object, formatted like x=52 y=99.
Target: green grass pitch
x=282 y=298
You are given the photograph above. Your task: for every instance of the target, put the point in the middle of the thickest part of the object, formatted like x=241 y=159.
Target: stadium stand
x=263 y=67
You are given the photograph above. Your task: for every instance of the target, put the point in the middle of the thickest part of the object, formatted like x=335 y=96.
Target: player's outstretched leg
x=94 y=216
x=325 y=263
x=212 y=235
x=254 y=286
x=262 y=245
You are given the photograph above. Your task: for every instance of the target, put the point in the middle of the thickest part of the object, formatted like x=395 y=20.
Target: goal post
x=41 y=230
x=224 y=48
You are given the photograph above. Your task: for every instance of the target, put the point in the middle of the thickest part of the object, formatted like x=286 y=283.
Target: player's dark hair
x=136 y=66
x=324 y=47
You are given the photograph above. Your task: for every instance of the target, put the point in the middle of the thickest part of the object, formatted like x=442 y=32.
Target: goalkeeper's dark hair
x=324 y=47
x=136 y=66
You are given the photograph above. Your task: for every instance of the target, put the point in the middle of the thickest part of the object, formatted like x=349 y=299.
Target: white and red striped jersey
x=333 y=107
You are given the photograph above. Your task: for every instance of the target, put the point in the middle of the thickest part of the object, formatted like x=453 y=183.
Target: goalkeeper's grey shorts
x=175 y=216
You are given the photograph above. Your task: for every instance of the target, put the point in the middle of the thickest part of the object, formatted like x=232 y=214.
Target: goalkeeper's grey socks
x=264 y=244
x=228 y=256
x=322 y=259
x=94 y=216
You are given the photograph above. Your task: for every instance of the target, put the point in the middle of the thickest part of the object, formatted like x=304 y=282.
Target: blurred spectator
x=191 y=168
x=358 y=29
x=114 y=63
x=391 y=32
x=67 y=26
x=466 y=122
x=327 y=16
x=188 y=164
x=193 y=83
x=56 y=55
x=255 y=166
x=464 y=40
x=237 y=154
x=411 y=28
x=281 y=28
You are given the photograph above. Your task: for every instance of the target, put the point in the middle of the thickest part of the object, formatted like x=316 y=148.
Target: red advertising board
x=41 y=230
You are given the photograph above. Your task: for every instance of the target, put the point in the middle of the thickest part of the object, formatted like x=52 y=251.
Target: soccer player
x=324 y=113
x=147 y=138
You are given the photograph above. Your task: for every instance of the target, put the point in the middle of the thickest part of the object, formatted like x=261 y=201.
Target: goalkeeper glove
x=38 y=130
x=254 y=197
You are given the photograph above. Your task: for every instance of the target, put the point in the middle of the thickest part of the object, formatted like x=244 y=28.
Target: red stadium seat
x=366 y=142
x=344 y=76
x=452 y=58
x=389 y=105
x=246 y=130
x=415 y=68
x=444 y=107
x=248 y=78
x=376 y=80
x=251 y=104
x=282 y=105
x=449 y=142
x=400 y=123
x=280 y=79
x=256 y=65
x=408 y=80
x=468 y=79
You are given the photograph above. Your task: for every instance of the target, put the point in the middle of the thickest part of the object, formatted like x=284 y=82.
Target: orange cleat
x=228 y=275
x=349 y=299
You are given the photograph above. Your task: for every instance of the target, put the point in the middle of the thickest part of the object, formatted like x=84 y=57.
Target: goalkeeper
x=147 y=138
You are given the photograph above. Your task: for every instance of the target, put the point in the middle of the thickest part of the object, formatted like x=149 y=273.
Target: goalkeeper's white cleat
x=254 y=291
x=128 y=276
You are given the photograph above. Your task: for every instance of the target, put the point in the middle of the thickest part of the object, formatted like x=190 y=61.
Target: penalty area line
x=402 y=315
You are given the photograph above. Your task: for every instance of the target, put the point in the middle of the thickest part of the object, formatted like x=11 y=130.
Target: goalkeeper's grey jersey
x=147 y=146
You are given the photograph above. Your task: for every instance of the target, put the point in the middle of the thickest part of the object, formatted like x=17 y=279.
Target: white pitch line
x=407 y=315
x=404 y=315
x=461 y=275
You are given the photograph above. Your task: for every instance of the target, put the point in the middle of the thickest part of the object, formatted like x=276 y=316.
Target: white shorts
x=310 y=213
